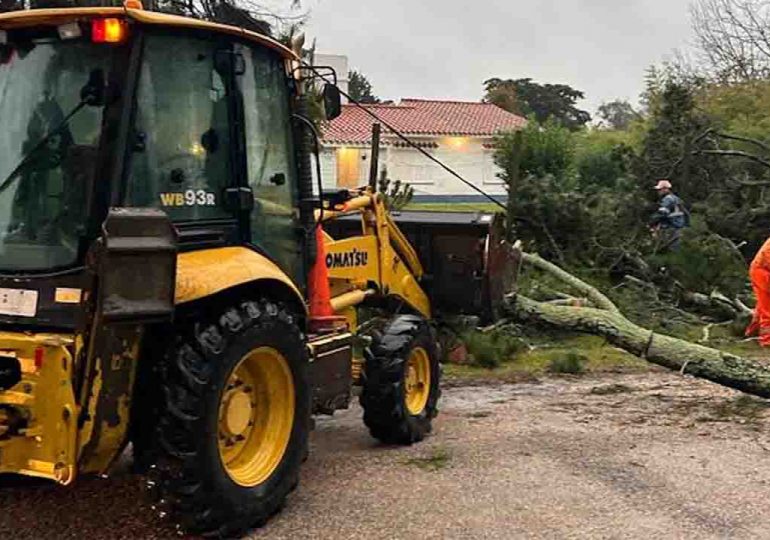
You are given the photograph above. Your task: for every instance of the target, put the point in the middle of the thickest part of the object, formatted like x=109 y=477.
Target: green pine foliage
x=585 y=197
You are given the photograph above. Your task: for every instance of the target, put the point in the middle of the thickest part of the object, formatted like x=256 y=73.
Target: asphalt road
x=627 y=456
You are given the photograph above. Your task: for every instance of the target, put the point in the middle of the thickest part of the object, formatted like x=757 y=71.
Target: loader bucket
x=468 y=264
x=469 y=267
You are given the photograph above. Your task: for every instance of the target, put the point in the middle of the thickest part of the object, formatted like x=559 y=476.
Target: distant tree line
x=360 y=89
x=544 y=102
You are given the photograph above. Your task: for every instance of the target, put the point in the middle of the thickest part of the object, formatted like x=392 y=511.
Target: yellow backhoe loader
x=166 y=278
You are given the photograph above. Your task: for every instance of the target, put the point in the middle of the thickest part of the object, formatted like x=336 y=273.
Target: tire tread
x=386 y=358
x=187 y=370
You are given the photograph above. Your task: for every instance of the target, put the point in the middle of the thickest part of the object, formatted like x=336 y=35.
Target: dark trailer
x=469 y=266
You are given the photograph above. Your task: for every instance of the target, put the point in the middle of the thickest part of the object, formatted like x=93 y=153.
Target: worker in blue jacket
x=670 y=218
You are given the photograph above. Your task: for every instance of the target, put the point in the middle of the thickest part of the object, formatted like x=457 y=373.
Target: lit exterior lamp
x=457 y=143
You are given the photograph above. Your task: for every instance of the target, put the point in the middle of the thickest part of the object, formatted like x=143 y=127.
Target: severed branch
x=743 y=308
x=715 y=304
x=677 y=354
x=594 y=295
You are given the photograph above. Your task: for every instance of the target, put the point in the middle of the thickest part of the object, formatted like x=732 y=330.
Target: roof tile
x=422 y=117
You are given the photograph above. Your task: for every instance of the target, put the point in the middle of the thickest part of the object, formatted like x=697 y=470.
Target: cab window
x=181 y=147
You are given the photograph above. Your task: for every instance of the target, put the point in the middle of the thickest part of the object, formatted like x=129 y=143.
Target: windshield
x=48 y=150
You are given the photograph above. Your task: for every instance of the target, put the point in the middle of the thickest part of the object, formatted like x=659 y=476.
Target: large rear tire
x=233 y=427
x=402 y=375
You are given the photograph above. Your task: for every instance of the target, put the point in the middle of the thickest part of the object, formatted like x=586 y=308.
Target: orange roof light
x=108 y=31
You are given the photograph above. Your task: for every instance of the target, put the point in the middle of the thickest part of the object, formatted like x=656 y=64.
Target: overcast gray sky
x=446 y=49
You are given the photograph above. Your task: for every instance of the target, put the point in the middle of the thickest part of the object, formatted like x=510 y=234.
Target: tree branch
x=741 y=139
x=733 y=153
x=594 y=295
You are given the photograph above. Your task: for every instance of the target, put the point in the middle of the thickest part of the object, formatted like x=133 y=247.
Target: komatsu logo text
x=348 y=259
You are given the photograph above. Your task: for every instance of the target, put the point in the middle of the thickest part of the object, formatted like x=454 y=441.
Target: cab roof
x=43 y=17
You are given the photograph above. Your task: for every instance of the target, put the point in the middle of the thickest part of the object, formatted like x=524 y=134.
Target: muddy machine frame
x=188 y=338
x=189 y=341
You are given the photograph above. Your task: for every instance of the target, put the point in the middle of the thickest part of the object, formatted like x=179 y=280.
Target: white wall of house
x=328 y=168
x=466 y=155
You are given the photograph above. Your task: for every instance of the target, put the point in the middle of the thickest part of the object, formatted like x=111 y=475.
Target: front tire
x=401 y=388
x=233 y=427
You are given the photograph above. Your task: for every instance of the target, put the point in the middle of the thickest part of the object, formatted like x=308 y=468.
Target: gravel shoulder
x=621 y=456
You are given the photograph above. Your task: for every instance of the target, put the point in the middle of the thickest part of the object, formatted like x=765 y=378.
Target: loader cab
x=102 y=111
x=211 y=143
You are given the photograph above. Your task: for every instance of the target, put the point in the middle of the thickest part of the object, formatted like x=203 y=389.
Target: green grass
x=492 y=349
x=570 y=363
x=438 y=459
x=556 y=354
x=599 y=357
x=455 y=207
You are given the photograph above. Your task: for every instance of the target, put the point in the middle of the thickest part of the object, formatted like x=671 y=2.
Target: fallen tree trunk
x=677 y=354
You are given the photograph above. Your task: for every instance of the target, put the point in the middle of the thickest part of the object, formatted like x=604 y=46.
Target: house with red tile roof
x=459 y=133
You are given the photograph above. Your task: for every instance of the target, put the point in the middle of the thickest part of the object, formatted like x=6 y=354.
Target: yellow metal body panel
x=403 y=247
x=52 y=446
x=46 y=448
x=353 y=259
x=104 y=434
x=381 y=257
x=18 y=19
x=202 y=273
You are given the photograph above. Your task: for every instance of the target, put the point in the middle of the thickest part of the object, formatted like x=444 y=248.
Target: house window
x=409 y=165
x=491 y=170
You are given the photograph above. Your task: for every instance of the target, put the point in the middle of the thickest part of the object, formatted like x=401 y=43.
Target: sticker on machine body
x=18 y=302
x=188 y=198
x=67 y=295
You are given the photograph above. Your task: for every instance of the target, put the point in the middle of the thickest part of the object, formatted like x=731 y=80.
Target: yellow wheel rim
x=417 y=381
x=256 y=416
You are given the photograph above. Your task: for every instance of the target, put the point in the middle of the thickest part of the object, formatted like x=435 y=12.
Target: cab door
x=181 y=148
x=269 y=157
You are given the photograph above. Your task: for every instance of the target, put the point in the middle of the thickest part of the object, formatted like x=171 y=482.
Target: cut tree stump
x=607 y=321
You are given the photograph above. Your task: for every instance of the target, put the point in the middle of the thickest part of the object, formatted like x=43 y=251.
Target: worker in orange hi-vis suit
x=760 y=281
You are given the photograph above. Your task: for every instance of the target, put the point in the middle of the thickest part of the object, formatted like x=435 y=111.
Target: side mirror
x=332 y=101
